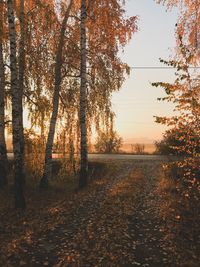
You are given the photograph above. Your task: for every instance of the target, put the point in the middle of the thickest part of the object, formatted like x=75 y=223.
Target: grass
x=180 y=212
x=44 y=207
x=63 y=184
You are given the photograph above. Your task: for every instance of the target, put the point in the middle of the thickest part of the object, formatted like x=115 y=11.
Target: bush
x=174 y=142
x=108 y=142
x=139 y=149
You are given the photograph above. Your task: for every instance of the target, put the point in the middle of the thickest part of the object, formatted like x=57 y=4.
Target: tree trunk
x=16 y=127
x=83 y=100
x=21 y=73
x=48 y=152
x=3 y=150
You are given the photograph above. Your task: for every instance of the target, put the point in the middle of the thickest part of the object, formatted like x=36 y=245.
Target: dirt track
x=114 y=223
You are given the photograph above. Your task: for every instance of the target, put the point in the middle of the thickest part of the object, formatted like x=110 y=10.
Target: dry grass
x=181 y=216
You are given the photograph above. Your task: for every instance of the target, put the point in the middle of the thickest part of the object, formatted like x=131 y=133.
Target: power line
x=157 y=67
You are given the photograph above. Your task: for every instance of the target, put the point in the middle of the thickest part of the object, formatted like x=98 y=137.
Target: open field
x=129 y=148
x=126 y=147
x=129 y=216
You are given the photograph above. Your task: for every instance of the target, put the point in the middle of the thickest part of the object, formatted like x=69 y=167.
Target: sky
x=136 y=103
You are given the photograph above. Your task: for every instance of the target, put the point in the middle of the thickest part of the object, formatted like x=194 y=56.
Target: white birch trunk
x=3 y=150
x=21 y=63
x=49 y=145
x=83 y=100
x=16 y=121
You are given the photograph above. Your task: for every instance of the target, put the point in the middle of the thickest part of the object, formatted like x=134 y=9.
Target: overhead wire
x=157 y=67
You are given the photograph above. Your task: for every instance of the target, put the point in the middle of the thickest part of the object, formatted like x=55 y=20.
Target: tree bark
x=49 y=145
x=83 y=100
x=21 y=73
x=16 y=120
x=3 y=150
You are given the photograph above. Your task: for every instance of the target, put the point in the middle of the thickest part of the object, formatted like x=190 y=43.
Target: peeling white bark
x=3 y=150
x=16 y=120
x=21 y=72
x=83 y=100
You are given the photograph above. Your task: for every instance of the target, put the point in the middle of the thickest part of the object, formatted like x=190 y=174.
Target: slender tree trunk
x=16 y=127
x=21 y=73
x=42 y=127
x=48 y=152
x=3 y=150
x=83 y=100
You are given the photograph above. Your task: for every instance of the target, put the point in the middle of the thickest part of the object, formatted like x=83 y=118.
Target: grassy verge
x=181 y=214
x=39 y=202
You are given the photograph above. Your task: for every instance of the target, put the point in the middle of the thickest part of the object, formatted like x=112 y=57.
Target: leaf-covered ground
x=127 y=218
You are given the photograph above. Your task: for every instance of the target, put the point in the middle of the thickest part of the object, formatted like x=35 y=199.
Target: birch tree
x=21 y=62
x=58 y=79
x=83 y=99
x=16 y=111
x=103 y=31
x=3 y=150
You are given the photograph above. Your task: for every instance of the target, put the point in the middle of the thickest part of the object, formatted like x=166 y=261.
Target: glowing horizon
x=136 y=103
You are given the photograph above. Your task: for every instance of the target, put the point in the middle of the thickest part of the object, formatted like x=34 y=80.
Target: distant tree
x=132 y=148
x=139 y=149
x=108 y=142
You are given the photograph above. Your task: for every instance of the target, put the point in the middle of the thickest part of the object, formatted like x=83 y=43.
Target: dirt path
x=114 y=223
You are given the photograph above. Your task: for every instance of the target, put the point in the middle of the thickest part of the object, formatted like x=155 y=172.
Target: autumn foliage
x=185 y=127
x=188 y=24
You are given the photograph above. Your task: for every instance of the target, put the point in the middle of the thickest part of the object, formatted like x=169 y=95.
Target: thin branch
x=75 y=17
x=31 y=100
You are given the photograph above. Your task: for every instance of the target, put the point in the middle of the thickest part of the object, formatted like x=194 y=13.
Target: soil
x=116 y=222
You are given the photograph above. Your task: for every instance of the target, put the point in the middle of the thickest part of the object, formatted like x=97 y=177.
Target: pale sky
x=136 y=104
